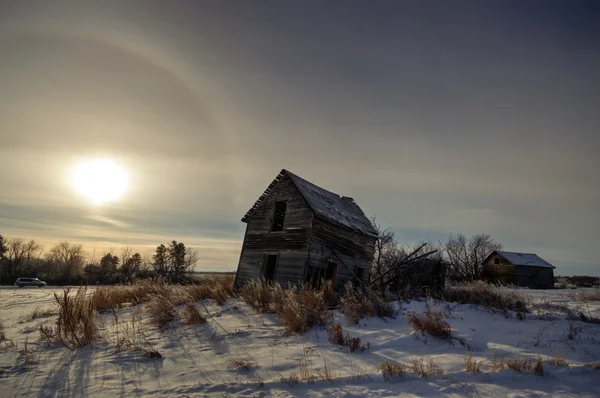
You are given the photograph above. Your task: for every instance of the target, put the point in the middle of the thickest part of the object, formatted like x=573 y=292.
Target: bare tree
x=67 y=259
x=387 y=251
x=465 y=255
x=21 y=255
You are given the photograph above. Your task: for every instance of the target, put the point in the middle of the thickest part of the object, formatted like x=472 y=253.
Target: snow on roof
x=340 y=210
x=337 y=209
x=527 y=259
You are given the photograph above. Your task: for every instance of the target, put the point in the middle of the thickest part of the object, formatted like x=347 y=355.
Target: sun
x=100 y=180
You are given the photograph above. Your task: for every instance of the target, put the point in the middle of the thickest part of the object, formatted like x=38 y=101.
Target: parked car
x=22 y=282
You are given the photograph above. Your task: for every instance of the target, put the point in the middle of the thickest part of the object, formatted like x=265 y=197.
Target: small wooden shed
x=299 y=232
x=524 y=269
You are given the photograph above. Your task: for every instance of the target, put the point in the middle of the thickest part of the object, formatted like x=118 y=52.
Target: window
x=278 y=216
x=496 y=260
x=269 y=267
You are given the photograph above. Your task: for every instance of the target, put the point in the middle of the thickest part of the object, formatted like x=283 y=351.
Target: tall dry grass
x=218 y=288
x=299 y=309
x=357 y=304
x=2 y=334
x=481 y=293
x=77 y=322
x=585 y=296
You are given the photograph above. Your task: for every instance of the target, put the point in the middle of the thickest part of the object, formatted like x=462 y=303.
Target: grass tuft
x=431 y=322
x=2 y=334
x=426 y=368
x=161 y=311
x=77 y=323
x=391 y=370
x=191 y=315
x=471 y=365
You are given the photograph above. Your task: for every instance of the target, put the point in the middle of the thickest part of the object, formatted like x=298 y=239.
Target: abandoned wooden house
x=298 y=232
x=524 y=269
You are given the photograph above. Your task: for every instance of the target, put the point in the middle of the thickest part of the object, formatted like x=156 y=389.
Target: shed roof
x=340 y=210
x=526 y=259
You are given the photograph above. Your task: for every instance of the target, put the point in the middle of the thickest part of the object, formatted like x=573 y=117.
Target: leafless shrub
x=77 y=323
x=391 y=370
x=426 y=368
x=573 y=331
x=480 y=293
x=47 y=333
x=431 y=322
x=162 y=312
x=191 y=315
x=471 y=365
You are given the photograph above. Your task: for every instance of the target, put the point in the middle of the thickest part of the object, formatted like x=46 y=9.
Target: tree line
x=68 y=263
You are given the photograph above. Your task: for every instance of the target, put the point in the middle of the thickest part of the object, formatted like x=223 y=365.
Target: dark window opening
x=269 y=267
x=278 y=216
x=496 y=260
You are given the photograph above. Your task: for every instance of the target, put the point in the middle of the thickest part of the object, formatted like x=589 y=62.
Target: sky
x=437 y=117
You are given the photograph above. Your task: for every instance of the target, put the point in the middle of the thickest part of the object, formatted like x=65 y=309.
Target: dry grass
x=336 y=336
x=240 y=363
x=191 y=315
x=481 y=293
x=471 y=365
x=218 y=288
x=355 y=305
x=131 y=337
x=586 y=296
x=431 y=322
x=77 y=323
x=2 y=334
x=391 y=370
x=37 y=313
x=519 y=364
x=299 y=309
x=426 y=368
x=594 y=365
x=161 y=311
x=558 y=360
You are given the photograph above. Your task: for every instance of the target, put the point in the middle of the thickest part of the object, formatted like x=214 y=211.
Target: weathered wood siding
x=503 y=273
x=534 y=277
x=291 y=244
x=349 y=249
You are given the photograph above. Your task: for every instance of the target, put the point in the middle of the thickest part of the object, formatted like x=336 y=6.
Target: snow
x=197 y=360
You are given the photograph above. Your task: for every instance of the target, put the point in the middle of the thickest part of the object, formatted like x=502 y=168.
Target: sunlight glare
x=100 y=180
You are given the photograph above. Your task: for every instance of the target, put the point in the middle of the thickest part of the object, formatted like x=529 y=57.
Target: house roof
x=340 y=210
x=526 y=259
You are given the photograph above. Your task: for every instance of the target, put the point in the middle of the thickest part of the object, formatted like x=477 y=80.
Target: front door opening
x=269 y=267
x=331 y=273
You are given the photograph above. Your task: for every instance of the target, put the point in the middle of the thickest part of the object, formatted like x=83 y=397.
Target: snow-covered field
x=241 y=353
